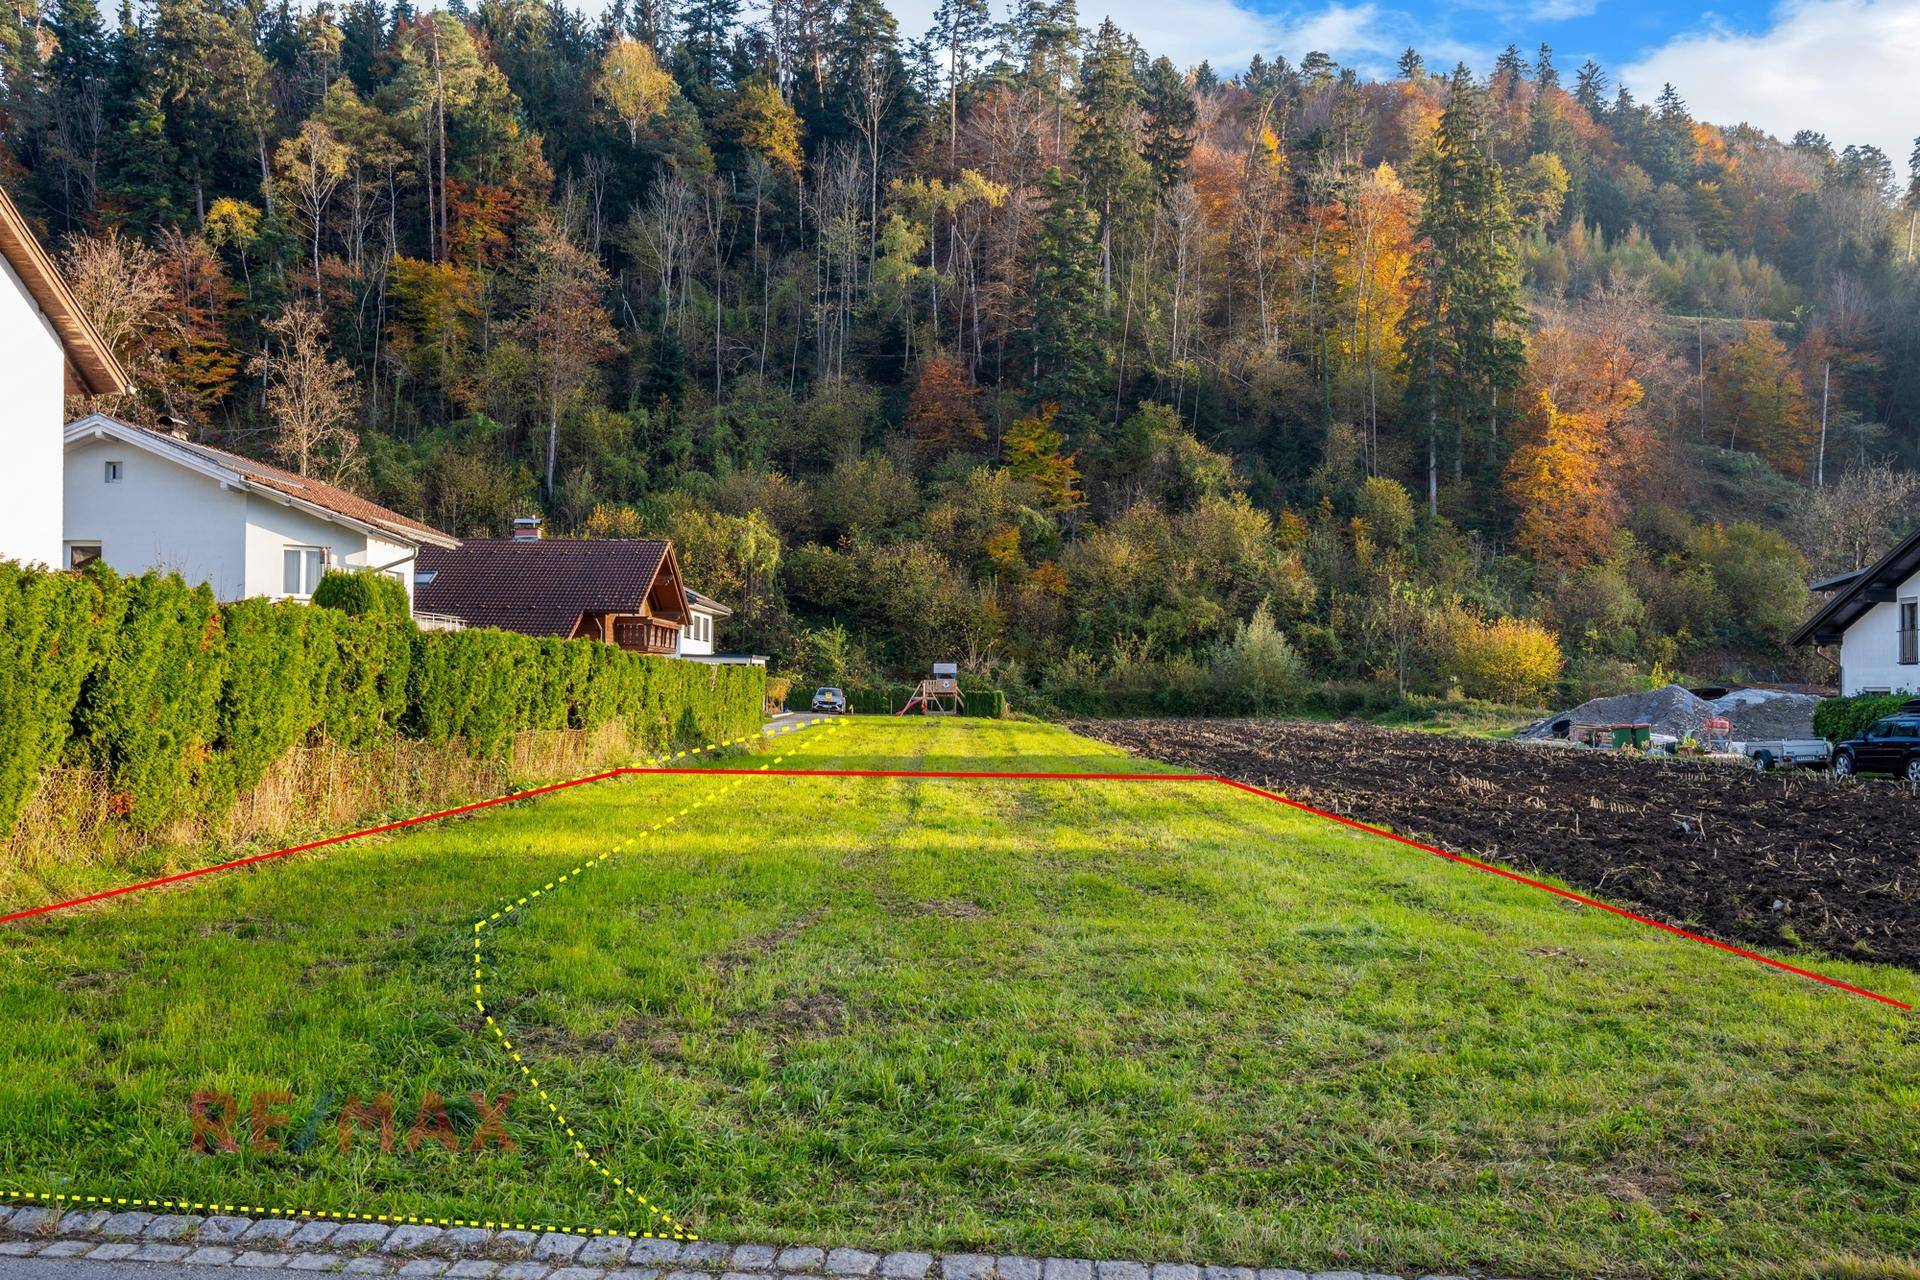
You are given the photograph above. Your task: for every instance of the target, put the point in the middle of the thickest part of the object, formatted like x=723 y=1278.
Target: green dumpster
x=1637 y=736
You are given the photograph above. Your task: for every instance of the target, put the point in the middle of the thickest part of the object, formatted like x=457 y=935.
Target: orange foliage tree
x=941 y=414
x=1559 y=485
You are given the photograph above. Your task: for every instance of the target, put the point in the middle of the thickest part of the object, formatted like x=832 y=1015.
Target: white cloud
x=1846 y=68
x=1228 y=33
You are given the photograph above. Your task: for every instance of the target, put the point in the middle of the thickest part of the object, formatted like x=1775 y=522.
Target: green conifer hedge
x=184 y=703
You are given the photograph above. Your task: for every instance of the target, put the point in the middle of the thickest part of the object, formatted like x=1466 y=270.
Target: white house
x=1872 y=616
x=142 y=499
x=48 y=350
x=696 y=638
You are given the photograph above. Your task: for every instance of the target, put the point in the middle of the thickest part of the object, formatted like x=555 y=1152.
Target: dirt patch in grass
x=748 y=950
x=1779 y=860
x=819 y=1013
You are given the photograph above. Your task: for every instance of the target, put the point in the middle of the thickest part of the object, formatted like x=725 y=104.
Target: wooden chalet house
x=622 y=591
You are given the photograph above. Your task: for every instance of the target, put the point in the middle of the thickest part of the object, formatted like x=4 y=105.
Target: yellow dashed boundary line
x=672 y=1228
x=64 y=1200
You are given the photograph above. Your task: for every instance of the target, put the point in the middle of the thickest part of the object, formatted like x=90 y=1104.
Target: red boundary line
x=1249 y=789
x=1568 y=894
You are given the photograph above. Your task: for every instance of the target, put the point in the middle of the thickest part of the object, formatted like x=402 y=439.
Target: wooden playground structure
x=938 y=696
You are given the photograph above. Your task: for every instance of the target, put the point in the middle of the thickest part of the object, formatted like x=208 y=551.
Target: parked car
x=1891 y=746
x=831 y=701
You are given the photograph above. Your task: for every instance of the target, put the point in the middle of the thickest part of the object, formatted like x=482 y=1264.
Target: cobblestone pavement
x=470 y=1253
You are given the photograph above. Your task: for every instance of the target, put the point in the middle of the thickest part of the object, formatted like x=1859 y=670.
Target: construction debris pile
x=1678 y=714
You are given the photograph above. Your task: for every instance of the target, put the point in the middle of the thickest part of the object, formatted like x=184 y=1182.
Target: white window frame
x=116 y=470
x=321 y=557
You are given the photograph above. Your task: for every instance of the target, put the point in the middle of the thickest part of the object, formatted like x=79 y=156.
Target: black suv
x=1891 y=746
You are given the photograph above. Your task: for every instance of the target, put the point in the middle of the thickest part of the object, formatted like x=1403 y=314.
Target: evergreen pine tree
x=1068 y=305
x=80 y=73
x=1545 y=75
x=961 y=29
x=363 y=36
x=1463 y=348
x=1590 y=88
x=1171 y=115
x=1107 y=149
x=1411 y=65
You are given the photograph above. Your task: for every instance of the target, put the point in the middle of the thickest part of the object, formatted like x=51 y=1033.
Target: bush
x=1257 y=670
x=364 y=593
x=885 y=699
x=183 y=704
x=149 y=712
x=1508 y=660
x=51 y=631
x=1838 y=719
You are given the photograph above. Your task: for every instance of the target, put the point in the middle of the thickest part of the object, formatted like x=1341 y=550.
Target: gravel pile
x=1676 y=713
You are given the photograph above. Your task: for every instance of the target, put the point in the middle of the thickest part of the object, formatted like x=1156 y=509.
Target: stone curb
x=469 y=1253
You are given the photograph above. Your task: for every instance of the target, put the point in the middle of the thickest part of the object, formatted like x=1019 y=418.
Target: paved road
x=794 y=719
x=82 y=1269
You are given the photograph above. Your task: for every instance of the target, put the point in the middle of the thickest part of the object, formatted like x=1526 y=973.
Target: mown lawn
x=1106 y=1019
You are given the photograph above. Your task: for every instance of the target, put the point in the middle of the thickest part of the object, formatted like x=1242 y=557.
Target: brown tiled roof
x=247 y=473
x=307 y=489
x=539 y=588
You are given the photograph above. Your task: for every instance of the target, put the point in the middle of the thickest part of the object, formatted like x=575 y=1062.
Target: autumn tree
x=310 y=166
x=310 y=396
x=563 y=322
x=1558 y=483
x=1764 y=404
x=941 y=414
x=633 y=88
x=1035 y=451
x=122 y=286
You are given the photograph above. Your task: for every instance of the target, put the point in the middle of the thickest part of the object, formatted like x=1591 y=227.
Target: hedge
x=1838 y=719
x=884 y=700
x=184 y=704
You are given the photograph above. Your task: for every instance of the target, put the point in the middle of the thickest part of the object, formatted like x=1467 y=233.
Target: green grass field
x=1093 y=1019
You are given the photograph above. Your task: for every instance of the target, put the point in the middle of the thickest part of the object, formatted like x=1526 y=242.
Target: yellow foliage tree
x=764 y=124
x=633 y=86
x=1510 y=660
x=1558 y=484
x=1767 y=408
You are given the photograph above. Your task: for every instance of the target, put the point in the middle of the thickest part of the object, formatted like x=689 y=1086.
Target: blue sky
x=1849 y=68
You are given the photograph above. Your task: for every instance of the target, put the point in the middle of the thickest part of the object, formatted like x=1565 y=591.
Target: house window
x=113 y=471
x=1909 y=632
x=82 y=554
x=304 y=565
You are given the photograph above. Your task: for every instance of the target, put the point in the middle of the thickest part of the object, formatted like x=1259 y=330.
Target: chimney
x=526 y=528
x=175 y=426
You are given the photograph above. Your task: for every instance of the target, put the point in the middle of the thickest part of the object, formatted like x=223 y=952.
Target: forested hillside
x=1011 y=341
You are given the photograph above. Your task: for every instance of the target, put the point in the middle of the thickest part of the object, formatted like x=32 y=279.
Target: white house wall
x=32 y=418
x=272 y=527
x=687 y=645
x=1870 y=653
x=159 y=515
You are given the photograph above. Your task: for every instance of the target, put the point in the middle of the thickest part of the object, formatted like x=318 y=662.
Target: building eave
x=1865 y=588
x=100 y=426
x=90 y=366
